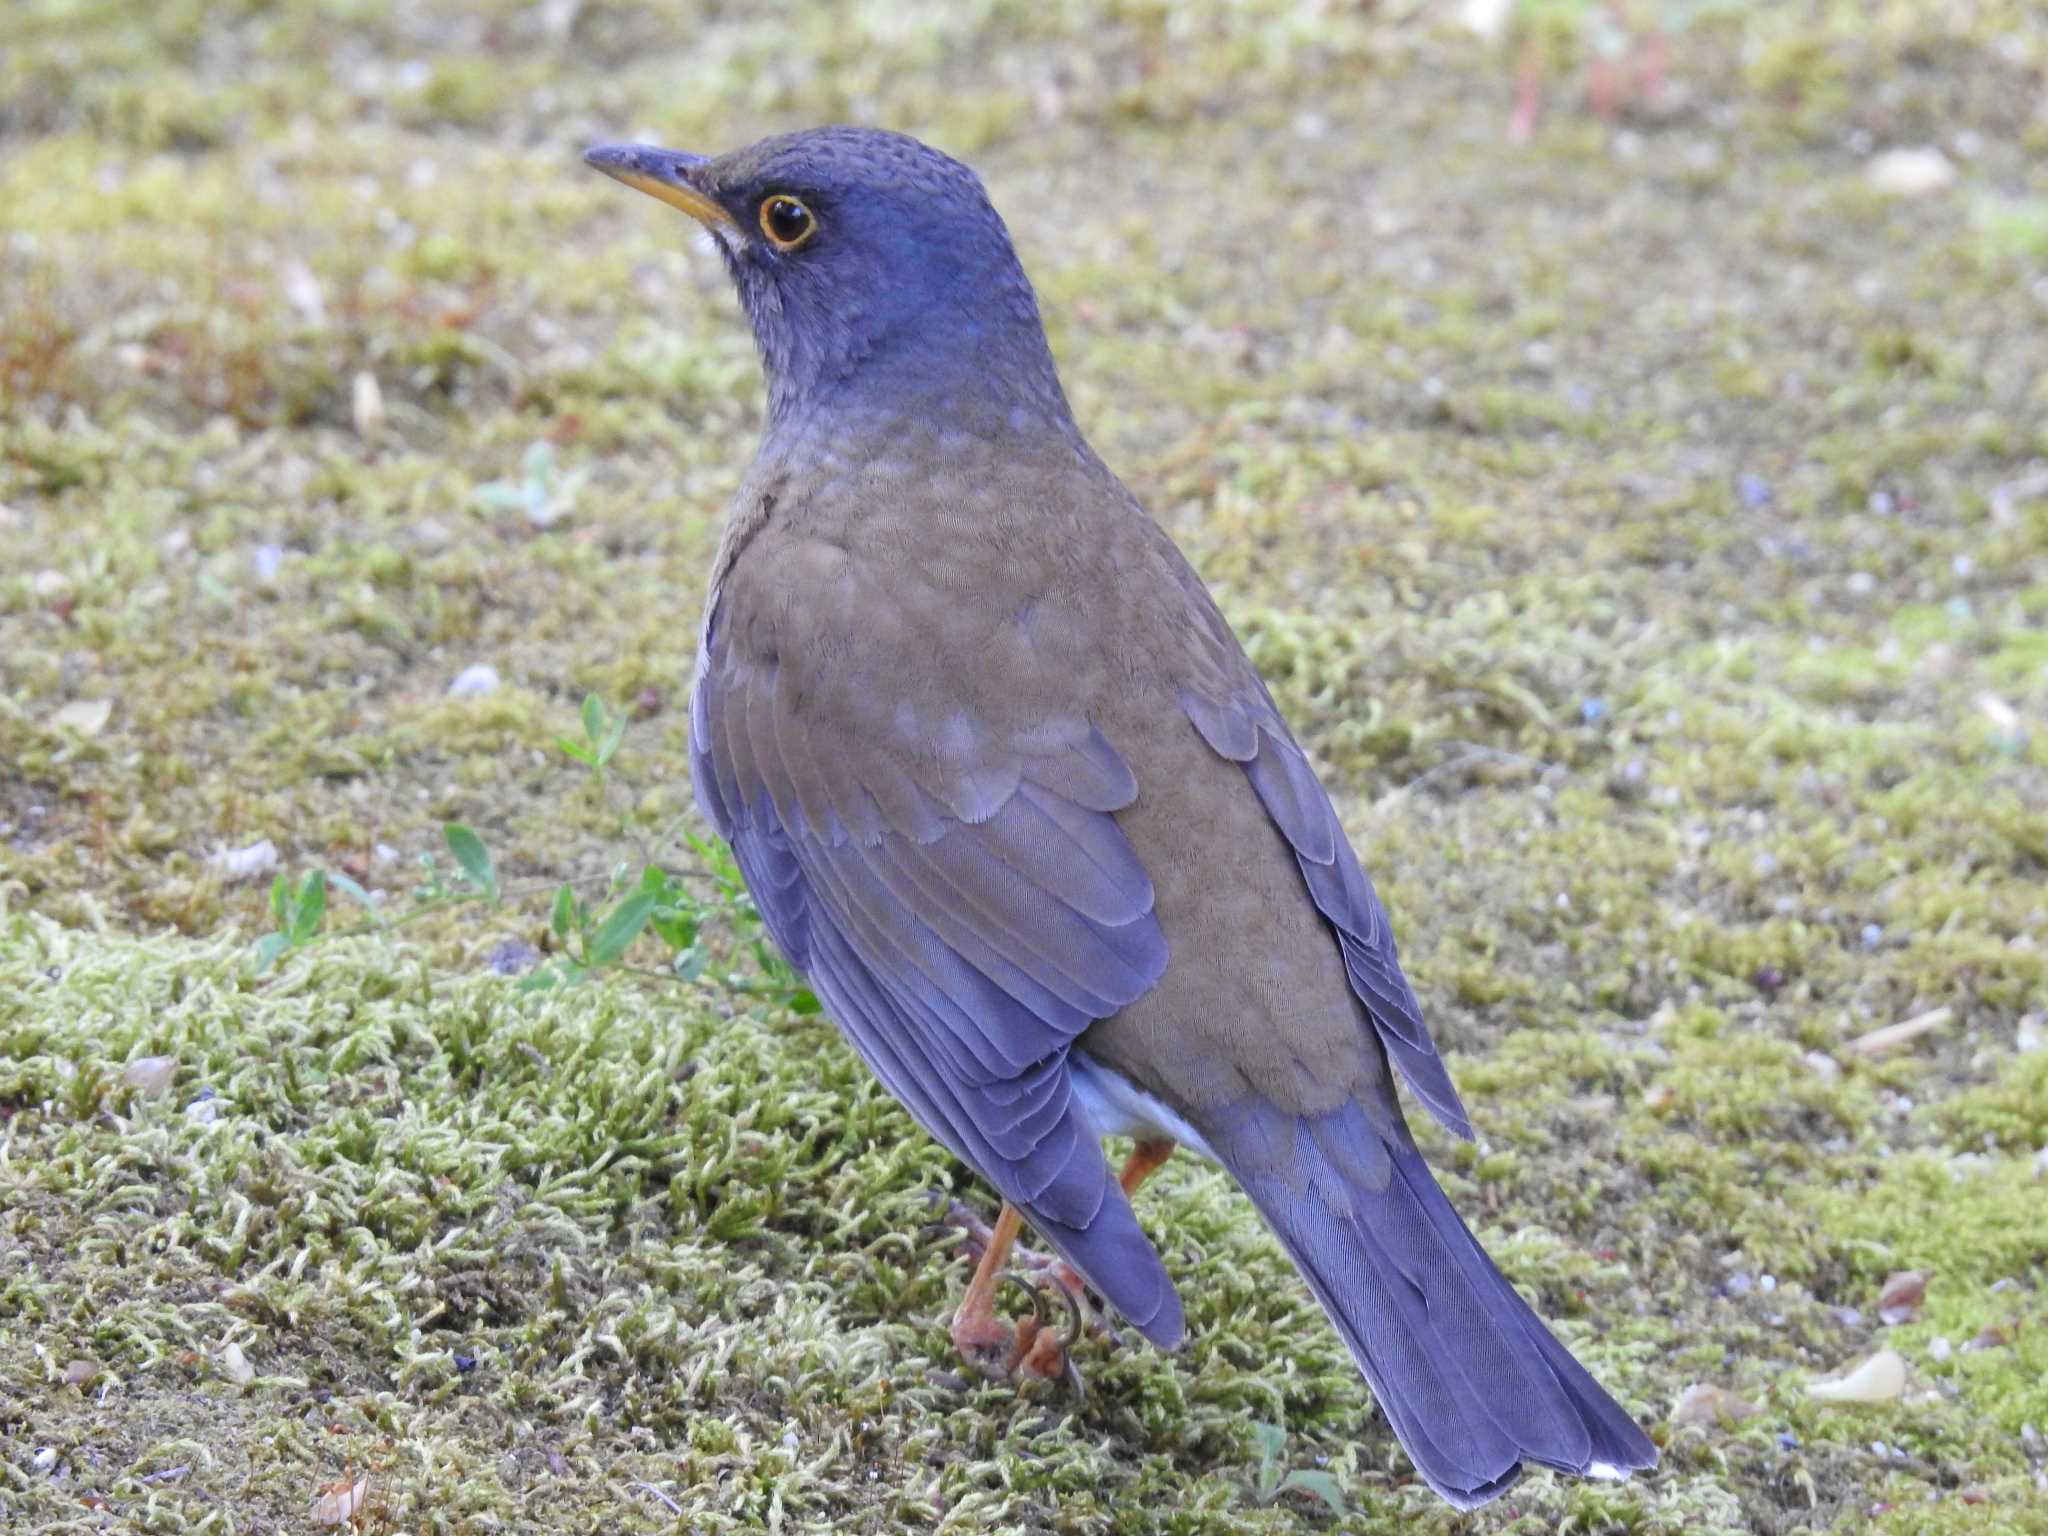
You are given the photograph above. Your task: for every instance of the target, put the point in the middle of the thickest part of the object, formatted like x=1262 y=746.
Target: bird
x=1008 y=792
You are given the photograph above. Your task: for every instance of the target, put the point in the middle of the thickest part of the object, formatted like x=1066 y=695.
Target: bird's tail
x=1472 y=1382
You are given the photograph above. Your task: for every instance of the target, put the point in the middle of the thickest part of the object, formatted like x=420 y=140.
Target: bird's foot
x=1031 y=1348
x=1048 y=1270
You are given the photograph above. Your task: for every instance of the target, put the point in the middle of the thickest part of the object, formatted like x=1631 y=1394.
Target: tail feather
x=1472 y=1382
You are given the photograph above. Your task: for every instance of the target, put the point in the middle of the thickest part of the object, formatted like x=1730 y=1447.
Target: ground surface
x=1647 y=526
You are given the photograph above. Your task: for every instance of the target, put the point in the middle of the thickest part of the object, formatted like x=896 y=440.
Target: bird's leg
x=992 y=1345
x=985 y=1341
x=1146 y=1159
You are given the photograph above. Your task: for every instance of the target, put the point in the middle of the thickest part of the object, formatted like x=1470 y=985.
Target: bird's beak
x=662 y=173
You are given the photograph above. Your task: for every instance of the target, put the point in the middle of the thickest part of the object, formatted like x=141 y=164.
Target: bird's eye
x=786 y=222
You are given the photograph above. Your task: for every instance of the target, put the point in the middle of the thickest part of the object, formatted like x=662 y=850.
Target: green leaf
x=310 y=907
x=1272 y=1441
x=472 y=856
x=621 y=926
x=545 y=979
x=264 y=952
x=281 y=899
x=563 y=917
x=577 y=750
x=675 y=926
x=803 y=1001
x=355 y=893
x=1320 y=1485
x=503 y=496
x=689 y=962
x=593 y=719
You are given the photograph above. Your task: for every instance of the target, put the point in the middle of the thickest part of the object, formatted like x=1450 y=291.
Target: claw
x=1087 y=1314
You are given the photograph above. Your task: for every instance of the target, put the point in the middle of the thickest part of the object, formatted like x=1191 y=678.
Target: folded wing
x=965 y=906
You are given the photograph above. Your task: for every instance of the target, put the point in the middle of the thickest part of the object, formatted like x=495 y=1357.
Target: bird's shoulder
x=1021 y=582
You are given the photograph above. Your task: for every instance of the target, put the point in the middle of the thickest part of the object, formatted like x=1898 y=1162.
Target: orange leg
x=1146 y=1159
x=984 y=1339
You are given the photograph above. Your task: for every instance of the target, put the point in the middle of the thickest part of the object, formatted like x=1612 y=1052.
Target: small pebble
x=366 y=403
x=44 y=1458
x=1591 y=710
x=150 y=1076
x=475 y=682
x=513 y=957
x=1872 y=935
x=464 y=1364
x=1787 y=1441
x=1754 y=490
x=259 y=858
x=1939 y=1348
x=1912 y=172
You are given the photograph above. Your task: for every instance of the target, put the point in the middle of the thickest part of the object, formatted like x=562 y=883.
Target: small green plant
x=539 y=494
x=602 y=733
x=678 y=907
x=1273 y=1482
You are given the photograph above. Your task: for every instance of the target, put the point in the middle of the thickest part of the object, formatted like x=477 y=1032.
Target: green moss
x=1641 y=525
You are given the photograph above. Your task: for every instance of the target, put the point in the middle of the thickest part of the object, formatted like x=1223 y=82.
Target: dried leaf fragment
x=1899 y=1301
x=1877 y=1380
x=1892 y=1036
x=235 y=1365
x=88 y=717
x=339 y=1501
x=1705 y=1403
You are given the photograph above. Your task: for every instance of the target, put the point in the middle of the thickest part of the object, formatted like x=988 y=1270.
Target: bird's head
x=873 y=268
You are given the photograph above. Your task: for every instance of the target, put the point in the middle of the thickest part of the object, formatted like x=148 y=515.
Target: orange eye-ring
x=786 y=222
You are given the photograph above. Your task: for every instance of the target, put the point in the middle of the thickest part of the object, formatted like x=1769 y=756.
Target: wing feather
x=1294 y=798
x=965 y=912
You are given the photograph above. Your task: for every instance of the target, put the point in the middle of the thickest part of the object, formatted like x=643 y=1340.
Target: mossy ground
x=1646 y=525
